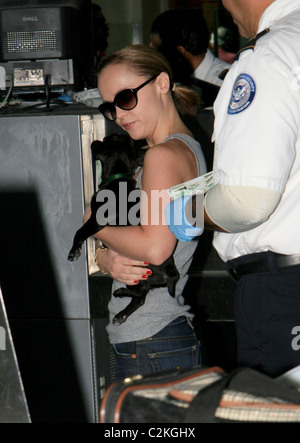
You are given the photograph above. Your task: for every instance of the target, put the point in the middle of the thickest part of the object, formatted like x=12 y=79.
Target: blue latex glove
x=177 y=221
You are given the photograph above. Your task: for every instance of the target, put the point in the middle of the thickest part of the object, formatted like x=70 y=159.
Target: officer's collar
x=251 y=43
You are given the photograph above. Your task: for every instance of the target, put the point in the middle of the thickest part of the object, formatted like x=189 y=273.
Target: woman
x=136 y=86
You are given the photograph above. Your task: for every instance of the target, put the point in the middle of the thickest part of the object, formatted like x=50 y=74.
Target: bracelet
x=100 y=248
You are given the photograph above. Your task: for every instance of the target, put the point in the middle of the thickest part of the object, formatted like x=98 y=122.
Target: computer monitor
x=47 y=42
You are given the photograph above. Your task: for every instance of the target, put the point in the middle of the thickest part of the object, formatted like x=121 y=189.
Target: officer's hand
x=177 y=221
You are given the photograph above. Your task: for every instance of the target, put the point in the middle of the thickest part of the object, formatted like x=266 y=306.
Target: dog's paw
x=74 y=255
x=119 y=319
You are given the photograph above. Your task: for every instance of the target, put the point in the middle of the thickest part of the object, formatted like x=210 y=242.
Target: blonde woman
x=138 y=92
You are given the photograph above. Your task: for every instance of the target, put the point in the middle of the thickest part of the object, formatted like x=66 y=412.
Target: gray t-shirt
x=160 y=307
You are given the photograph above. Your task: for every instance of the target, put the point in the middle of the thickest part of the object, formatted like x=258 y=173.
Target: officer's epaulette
x=251 y=43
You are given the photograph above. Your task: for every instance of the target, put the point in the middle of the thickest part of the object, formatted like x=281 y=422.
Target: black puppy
x=120 y=158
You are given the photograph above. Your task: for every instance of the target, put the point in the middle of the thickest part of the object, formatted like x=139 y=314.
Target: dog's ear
x=97 y=148
x=119 y=138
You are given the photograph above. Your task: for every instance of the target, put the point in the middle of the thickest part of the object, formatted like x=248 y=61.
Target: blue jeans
x=175 y=345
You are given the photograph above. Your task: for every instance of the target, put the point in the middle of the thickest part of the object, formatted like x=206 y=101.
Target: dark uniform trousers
x=267 y=312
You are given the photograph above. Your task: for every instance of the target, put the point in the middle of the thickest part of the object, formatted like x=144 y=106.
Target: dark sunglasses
x=126 y=100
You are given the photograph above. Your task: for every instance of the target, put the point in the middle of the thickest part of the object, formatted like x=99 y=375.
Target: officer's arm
x=195 y=203
x=239 y=208
x=225 y=208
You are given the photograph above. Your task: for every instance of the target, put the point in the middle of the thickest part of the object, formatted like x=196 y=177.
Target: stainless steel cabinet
x=46 y=178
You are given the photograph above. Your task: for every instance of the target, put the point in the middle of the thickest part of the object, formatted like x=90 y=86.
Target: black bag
x=201 y=395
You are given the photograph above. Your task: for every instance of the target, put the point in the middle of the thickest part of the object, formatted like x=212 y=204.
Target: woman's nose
x=120 y=112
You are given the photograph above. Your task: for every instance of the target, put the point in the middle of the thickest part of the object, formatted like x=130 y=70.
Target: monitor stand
x=30 y=75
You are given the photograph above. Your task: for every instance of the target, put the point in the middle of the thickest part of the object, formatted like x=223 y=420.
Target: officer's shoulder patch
x=243 y=93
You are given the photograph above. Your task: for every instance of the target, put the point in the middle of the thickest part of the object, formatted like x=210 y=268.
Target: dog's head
x=118 y=155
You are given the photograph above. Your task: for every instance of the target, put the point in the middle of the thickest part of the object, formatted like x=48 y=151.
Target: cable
x=48 y=90
x=4 y=103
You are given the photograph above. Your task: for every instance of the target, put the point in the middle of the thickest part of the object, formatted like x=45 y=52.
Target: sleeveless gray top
x=160 y=307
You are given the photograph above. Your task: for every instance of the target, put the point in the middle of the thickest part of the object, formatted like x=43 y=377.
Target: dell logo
x=30 y=19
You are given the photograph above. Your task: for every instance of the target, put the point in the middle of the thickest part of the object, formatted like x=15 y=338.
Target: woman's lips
x=128 y=125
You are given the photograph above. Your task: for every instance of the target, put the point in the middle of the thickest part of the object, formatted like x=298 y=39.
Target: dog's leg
x=87 y=230
x=75 y=251
x=172 y=274
x=172 y=281
x=138 y=299
x=173 y=277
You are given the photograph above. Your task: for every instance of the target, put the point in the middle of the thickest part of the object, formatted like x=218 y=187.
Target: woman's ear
x=163 y=81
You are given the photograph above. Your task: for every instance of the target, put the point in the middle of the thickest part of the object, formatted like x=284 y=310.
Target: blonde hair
x=146 y=61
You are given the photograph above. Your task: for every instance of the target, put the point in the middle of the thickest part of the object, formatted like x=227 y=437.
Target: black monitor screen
x=47 y=37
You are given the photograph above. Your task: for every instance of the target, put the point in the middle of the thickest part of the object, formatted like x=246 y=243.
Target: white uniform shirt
x=257 y=132
x=210 y=69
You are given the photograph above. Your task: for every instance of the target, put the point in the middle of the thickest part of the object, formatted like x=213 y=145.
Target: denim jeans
x=175 y=345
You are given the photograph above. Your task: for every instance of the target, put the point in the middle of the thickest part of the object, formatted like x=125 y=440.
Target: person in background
x=255 y=203
x=139 y=94
x=224 y=38
x=100 y=33
x=183 y=35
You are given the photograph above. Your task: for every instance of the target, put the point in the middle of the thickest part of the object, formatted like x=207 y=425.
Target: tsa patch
x=243 y=93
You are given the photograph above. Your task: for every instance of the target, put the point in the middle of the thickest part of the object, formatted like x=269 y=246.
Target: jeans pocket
x=126 y=361
x=124 y=351
x=183 y=357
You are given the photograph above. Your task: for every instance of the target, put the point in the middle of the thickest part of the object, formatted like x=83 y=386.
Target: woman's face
x=141 y=121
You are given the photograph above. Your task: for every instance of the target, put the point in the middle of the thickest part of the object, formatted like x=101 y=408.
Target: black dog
x=120 y=158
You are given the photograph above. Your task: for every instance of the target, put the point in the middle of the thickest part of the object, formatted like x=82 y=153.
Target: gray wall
x=130 y=21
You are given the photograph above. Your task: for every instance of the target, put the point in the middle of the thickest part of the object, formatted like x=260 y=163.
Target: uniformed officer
x=255 y=204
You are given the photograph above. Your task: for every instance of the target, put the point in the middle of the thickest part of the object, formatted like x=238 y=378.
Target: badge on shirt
x=243 y=93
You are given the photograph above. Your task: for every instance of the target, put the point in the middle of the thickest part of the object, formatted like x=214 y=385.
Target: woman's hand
x=122 y=268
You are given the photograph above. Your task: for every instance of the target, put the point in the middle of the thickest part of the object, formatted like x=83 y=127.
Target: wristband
x=177 y=221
